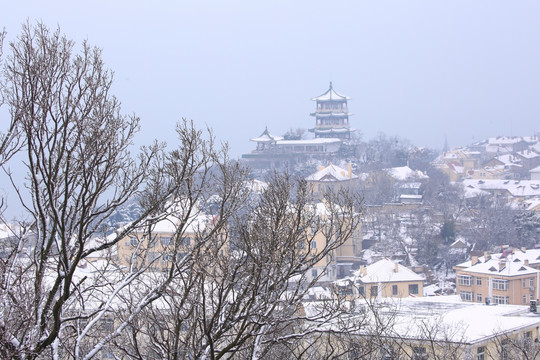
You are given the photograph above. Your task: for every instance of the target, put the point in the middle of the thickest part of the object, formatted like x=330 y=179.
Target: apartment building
x=510 y=277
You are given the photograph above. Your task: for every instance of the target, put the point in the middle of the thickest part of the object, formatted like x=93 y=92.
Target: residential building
x=383 y=279
x=332 y=178
x=156 y=246
x=442 y=327
x=511 y=277
x=340 y=262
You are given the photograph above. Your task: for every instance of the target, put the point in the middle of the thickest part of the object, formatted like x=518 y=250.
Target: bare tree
x=243 y=293
x=235 y=289
x=510 y=346
x=79 y=170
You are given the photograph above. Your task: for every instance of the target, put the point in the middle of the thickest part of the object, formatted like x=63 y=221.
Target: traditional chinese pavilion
x=331 y=115
x=331 y=130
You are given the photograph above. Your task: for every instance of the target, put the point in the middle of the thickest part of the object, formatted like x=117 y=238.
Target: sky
x=422 y=70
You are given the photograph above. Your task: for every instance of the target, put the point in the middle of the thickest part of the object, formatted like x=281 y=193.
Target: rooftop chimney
x=487 y=256
x=349 y=170
x=396 y=268
x=526 y=262
x=474 y=260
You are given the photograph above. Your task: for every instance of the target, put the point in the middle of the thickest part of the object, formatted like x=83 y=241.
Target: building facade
x=511 y=277
x=382 y=279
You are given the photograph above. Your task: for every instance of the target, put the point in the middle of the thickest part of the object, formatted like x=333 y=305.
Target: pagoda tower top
x=331 y=95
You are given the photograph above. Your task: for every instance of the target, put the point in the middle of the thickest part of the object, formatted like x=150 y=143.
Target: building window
x=505 y=353
x=524 y=299
x=466 y=295
x=527 y=341
x=166 y=240
x=374 y=290
x=314 y=272
x=394 y=290
x=314 y=244
x=464 y=280
x=186 y=241
x=479 y=281
x=413 y=289
x=480 y=353
x=107 y=324
x=500 y=284
x=419 y=353
x=501 y=299
x=167 y=257
x=531 y=282
x=478 y=297
x=133 y=241
x=361 y=290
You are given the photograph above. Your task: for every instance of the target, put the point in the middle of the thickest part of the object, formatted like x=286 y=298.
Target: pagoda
x=331 y=116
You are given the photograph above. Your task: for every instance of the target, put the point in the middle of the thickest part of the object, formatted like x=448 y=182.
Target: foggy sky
x=418 y=69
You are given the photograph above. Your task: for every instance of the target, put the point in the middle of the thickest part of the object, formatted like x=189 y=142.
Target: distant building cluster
x=505 y=167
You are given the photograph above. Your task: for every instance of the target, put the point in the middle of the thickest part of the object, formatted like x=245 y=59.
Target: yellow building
x=159 y=244
x=511 y=277
x=331 y=178
x=341 y=261
x=440 y=327
x=383 y=279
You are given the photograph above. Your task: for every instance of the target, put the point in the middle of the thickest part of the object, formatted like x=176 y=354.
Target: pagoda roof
x=332 y=130
x=266 y=137
x=331 y=95
x=331 y=114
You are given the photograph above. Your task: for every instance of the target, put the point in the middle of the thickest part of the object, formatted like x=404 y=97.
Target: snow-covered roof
x=332 y=114
x=411 y=185
x=452 y=320
x=331 y=95
x=535 y=170
x=497 y=149
x=444 y=319
x=331 y=173
x=531 y=203
x=515 y=188
x=535 y=147
x=266 y=137
x=517 y=257
x=460 y=242
x=256 y=186
x=9 y=230
x=404 y=173
x=385 y=271
x=333 y=130
x=505 y=140
x=501 y=267
x=528 y=154
x=508 y=159
x=169 y=224
x=317 y=141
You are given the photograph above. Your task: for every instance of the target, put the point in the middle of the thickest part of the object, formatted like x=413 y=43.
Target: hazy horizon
x=419 y=69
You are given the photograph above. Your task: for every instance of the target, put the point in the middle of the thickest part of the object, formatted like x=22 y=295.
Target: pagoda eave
x=327 y=115
x=331 y=131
